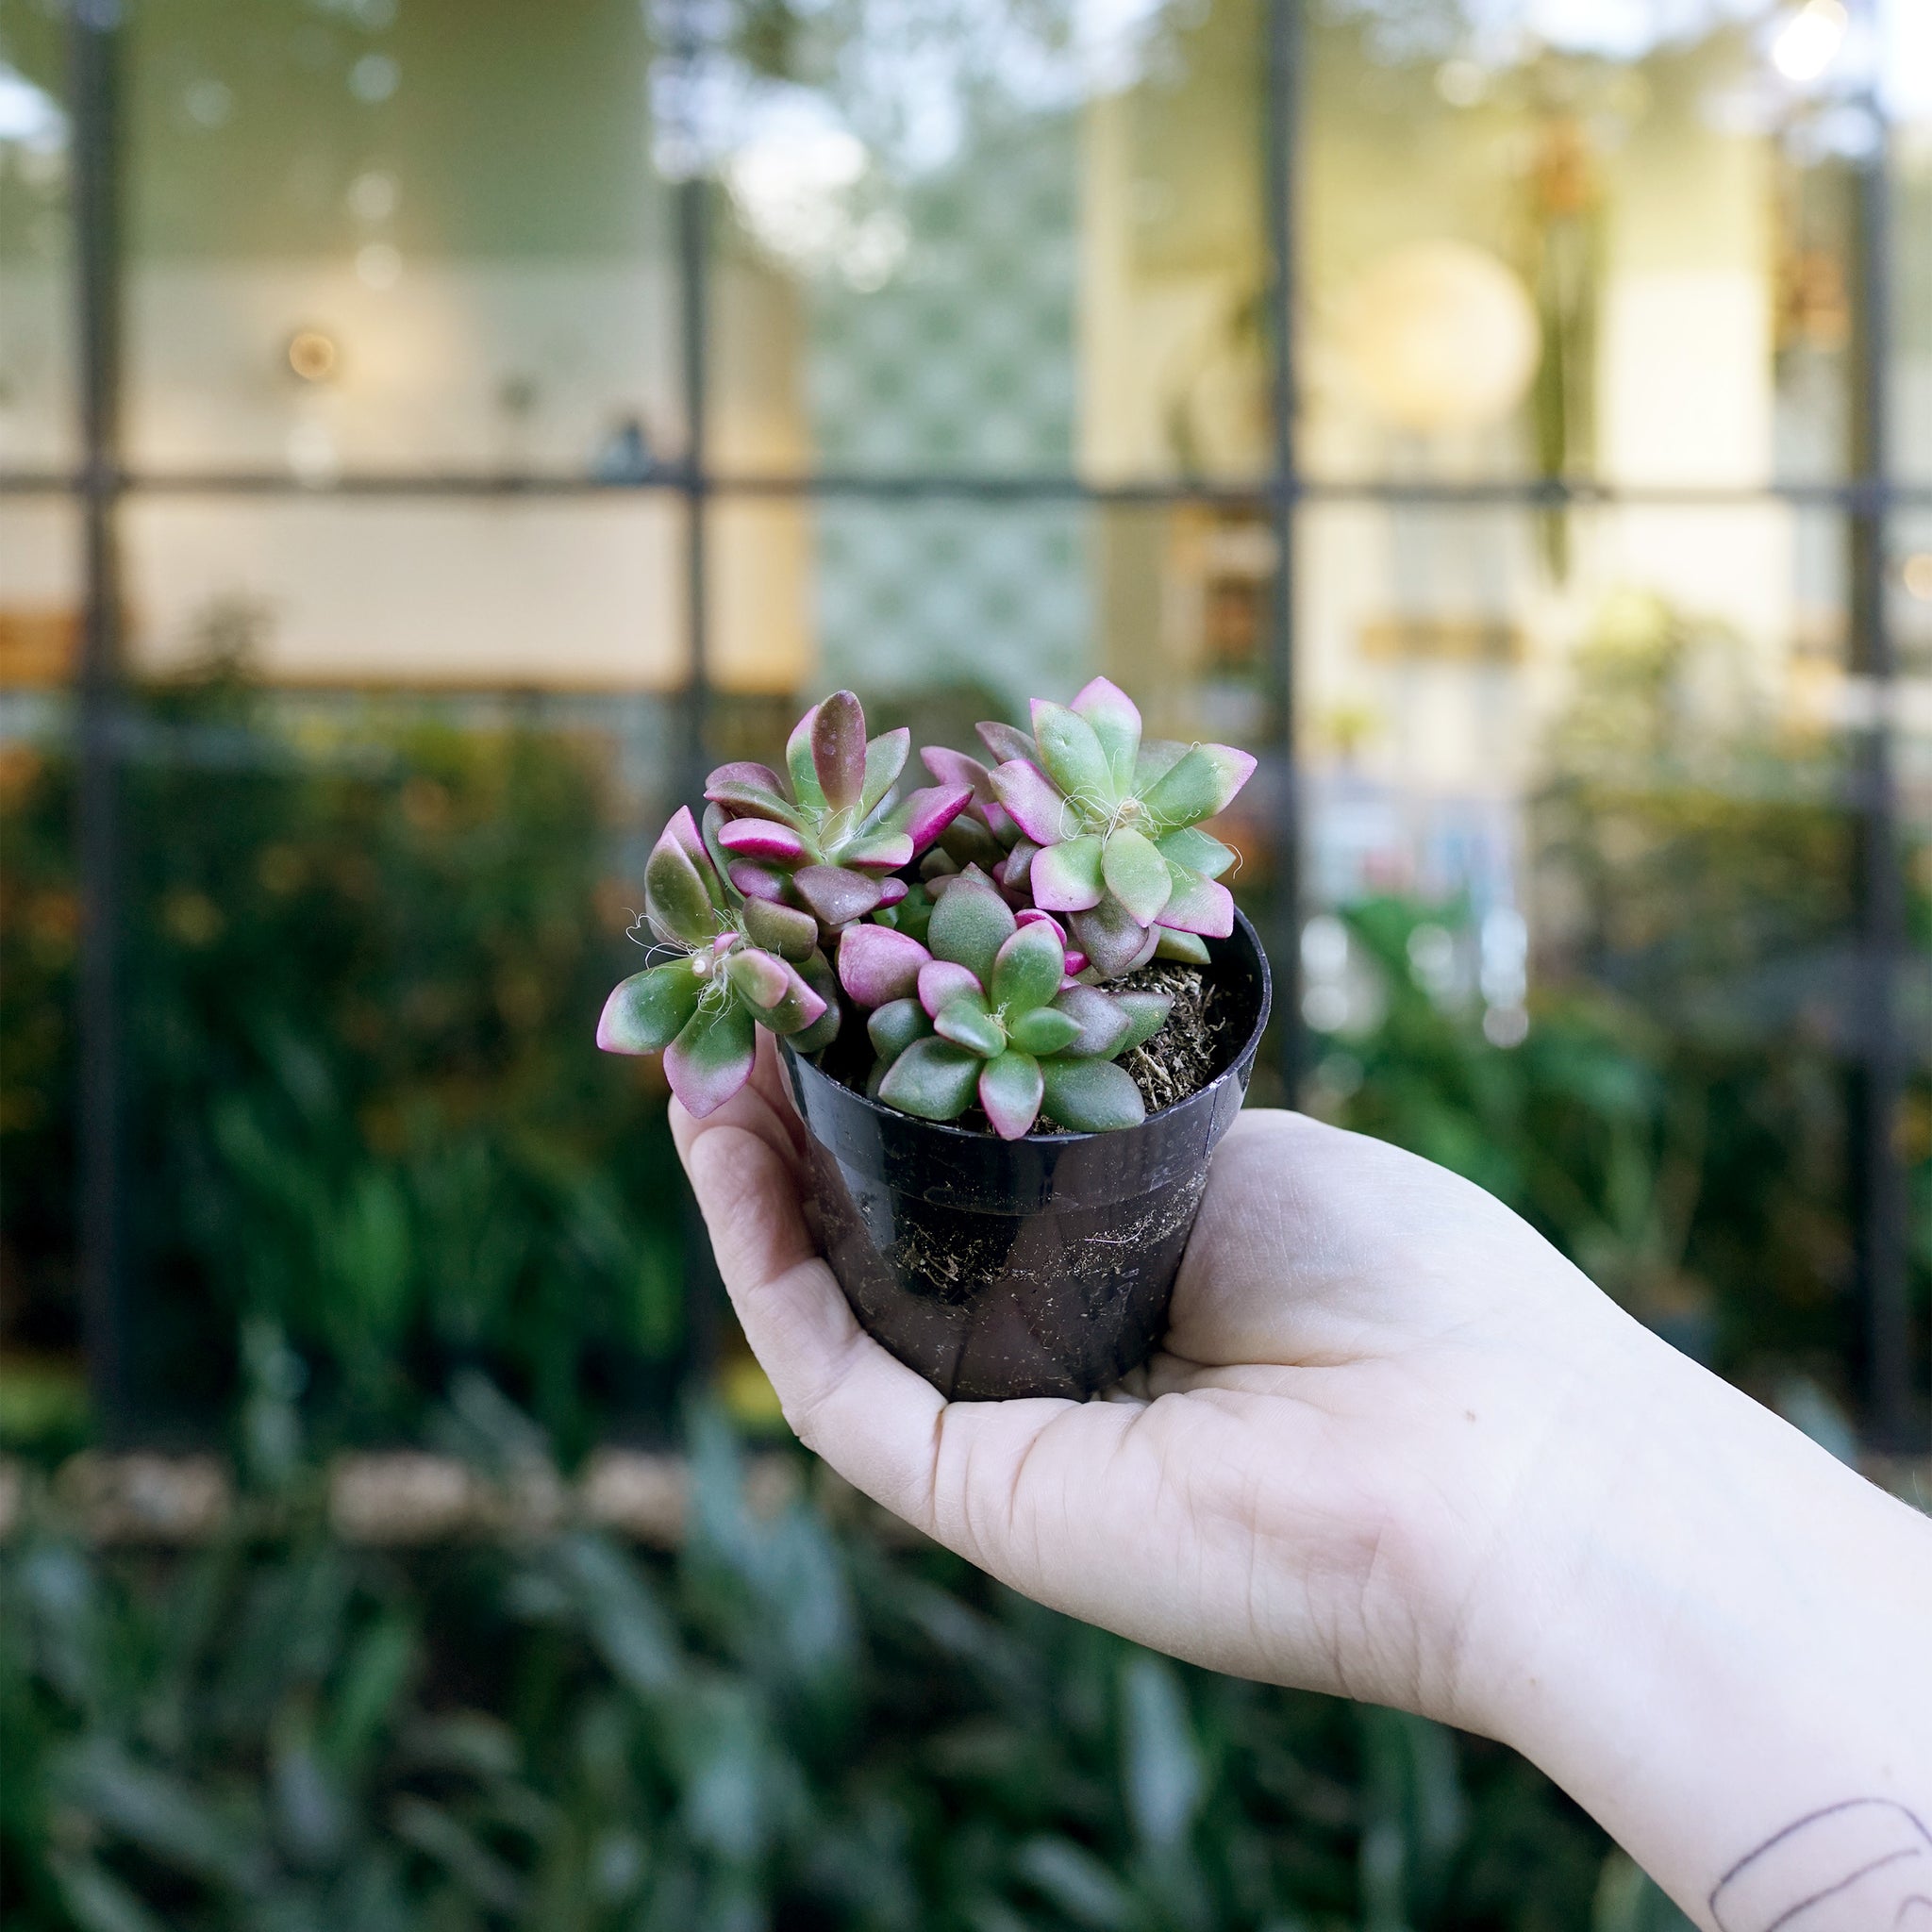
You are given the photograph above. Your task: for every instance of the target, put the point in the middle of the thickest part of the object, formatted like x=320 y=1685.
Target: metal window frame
x=1868 y=499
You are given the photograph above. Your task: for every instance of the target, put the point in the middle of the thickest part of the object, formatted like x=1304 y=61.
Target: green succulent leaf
x=1198 y=786
x=1092 y=1096
x=1116 y=722
x=798 y=764
x=676 y=894
x=816 y=971
x=964 y=1021
x=1010 y=1090
x=895 y=1025
x=782 y=929
x=1101 y=1018
x=838 y=749
x=1072 y=753
x=1146 y=1014
x=1136 y=874
x=1187 y=947
x=1195 y=850
x=1044 y=1030
x=885 y=758
x=970 y=925
x=711 y=1059
x=1068 y=877
x=1028 y=969
x=933 y=1079
x=647 y=1011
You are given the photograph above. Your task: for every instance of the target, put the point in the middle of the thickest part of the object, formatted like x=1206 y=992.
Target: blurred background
x=431 y=434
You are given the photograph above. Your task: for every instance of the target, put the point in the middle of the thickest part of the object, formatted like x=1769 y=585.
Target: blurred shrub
x=363 y=959
x=786 y=1727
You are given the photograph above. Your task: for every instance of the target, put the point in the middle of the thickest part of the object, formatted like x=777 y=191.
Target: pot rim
x=1248 y=1047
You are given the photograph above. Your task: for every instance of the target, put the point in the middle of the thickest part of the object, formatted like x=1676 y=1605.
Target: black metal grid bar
x=93 y=81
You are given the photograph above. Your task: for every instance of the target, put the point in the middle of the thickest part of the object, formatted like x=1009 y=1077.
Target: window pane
x=1597 y=248
x=425 y=237
x=992 y=241
x=37 y=337
x=1585 y=877
x=1909 y=71
x=584 y=594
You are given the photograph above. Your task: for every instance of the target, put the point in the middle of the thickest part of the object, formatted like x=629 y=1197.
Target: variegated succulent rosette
x=973 y=920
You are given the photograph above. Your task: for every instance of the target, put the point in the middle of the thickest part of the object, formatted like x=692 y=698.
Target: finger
x=871 y=1417
x=769 y=1079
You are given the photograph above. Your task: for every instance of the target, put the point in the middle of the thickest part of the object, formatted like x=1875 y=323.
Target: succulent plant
x=1110 y=827
x=827 y=836
x=741 y=963
x=985 y=1011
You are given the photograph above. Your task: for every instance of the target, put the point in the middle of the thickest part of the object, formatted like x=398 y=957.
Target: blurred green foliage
x=362 y=957
x=785 y=1728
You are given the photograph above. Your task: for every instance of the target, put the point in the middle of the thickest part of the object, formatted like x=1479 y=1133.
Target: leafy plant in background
x=361 y=946
x=785 y=1726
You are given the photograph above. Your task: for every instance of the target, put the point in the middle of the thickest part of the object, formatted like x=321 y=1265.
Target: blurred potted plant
x=1062 y=1012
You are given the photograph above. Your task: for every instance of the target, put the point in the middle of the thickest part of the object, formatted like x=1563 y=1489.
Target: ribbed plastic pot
x=1011 y=1268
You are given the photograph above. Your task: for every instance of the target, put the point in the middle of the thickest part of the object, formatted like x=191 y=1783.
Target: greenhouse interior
x=432 y=436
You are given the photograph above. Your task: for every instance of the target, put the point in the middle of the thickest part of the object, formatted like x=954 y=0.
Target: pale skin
x=1395 y=1447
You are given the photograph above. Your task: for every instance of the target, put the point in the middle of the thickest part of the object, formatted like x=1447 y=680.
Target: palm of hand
x=1366 y=1360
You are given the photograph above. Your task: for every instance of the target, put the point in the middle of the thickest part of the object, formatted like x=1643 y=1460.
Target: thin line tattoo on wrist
x=1861 y=1866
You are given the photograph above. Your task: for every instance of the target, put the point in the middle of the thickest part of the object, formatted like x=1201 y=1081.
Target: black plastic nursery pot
x=1012 y=1268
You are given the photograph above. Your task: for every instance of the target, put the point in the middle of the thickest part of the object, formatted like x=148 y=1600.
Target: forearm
x=1727 y=1656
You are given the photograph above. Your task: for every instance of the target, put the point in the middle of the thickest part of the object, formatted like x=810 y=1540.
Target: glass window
x=463 y=593
x=38 y=407
x=1005 y=240
x=421 y=238
x=1616 y=246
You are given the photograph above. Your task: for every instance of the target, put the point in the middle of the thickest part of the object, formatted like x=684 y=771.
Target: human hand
x=1320 y=1480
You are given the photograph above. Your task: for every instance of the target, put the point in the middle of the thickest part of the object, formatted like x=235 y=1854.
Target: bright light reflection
x=29 y=117
x=1808 y=42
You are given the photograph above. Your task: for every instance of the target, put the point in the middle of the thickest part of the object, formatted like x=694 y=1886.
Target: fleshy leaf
x=922 y=815
x=782 y=929
x=798 y=764
x=759 y=979
x=1186 y=946
x=762 y=838
x=1146 y=1014
x=1092 y=1096
x=891 y=891
x=647 y=1011
x=837 y=896
x=1072 y=755
x=1202 y=784
x=1032 y=915
x=752 y=801
x=679 y=904
x=1068 y=878
x=1116 y=722
x=1136 y=874
x=1115 y=942
x=954 y=769
x=940 y=980
x=971 y=923
x=1010 y=1090
x=968 y=840
x=1046 y=1029
x=785 y=1005
x=758 y=881
x=817 y=973
x=1195 y=850
x=1158 y=756
x=711 y=1059
x=1198 y=905
x=1027 y=970
x=896 y=1026
x=1039 y=810
x=933 y=1079
x=1016 y=874
x=965 y=1022
x=885 y=758
x=838 y=749
x=1103 y=1023
x=1005 y=740
x=877 y=965
x=683 y=830
x=878 y=852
